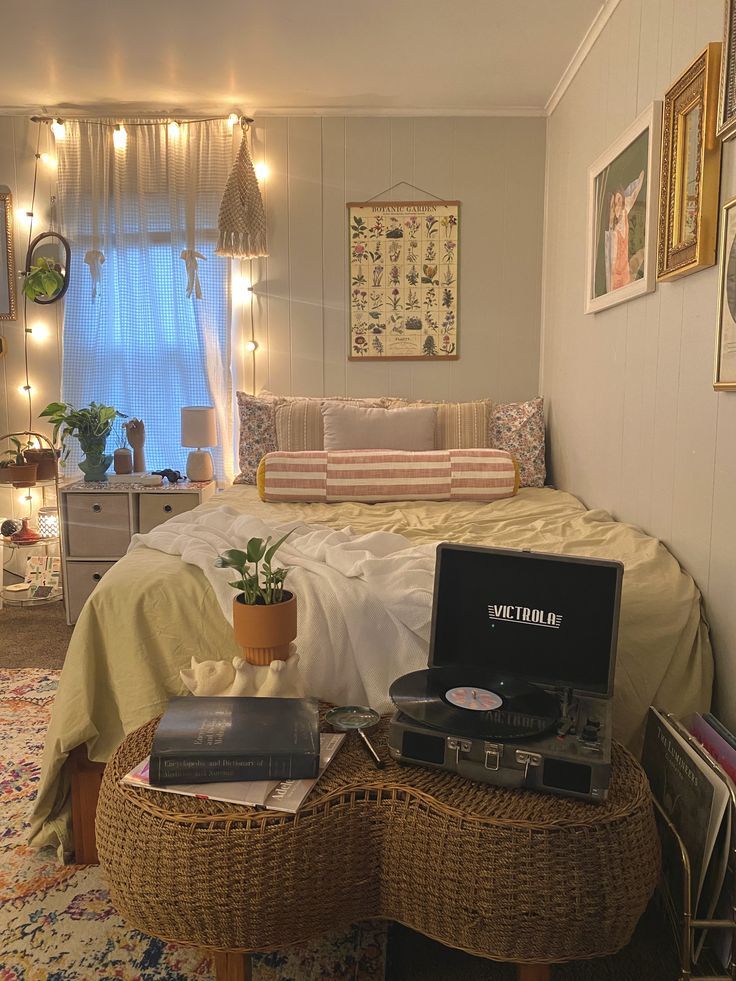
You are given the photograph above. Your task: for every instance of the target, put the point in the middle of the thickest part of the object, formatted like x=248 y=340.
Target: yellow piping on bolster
x=261 y=478
x=517 y=475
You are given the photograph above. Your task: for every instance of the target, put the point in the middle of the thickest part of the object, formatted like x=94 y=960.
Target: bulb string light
x=57 y=124
x=26 y=387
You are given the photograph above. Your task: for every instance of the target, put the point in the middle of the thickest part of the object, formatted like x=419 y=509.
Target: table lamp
x=198 y=429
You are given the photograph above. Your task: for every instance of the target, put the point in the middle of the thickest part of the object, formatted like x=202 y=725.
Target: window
x=134 y=339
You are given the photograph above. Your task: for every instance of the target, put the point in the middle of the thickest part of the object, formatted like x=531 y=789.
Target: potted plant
x=46 y=459
x=20 y=472
x=43 y=279
x=264 y=613
x=91 y=426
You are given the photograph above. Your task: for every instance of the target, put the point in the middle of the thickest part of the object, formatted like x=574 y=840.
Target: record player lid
x=545 y=618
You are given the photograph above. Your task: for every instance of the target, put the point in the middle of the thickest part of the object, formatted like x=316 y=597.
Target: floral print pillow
x=257 y=434
x=519 y=428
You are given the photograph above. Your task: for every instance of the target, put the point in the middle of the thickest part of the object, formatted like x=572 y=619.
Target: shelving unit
x=48 y=487
x=676 y=886
x=99 y=519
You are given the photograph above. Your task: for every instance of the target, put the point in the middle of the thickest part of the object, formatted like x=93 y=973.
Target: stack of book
x=260 y=752
x=696 y=798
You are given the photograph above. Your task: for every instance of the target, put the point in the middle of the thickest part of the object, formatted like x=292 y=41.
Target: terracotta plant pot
x=122 y=460
x=23 y=474
x=265 y=631
x=47 y=461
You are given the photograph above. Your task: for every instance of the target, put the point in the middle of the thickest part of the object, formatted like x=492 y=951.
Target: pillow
x=519 y=428
x=257 y=435
x=299 y=421
x=353 y=427
x=300 y=425
x=367 y=476
x=460 y=425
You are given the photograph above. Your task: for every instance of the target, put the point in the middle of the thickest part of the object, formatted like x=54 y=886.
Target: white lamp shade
x=198 y=426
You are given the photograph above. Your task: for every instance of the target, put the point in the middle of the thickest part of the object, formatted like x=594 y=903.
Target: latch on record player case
x=528 y=759
x=493 y=753
x=459 y=745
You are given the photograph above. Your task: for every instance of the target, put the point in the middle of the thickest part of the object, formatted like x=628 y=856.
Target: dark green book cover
x=211 y=740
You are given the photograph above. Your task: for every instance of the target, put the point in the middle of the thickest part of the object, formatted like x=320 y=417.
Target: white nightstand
x=99 y=519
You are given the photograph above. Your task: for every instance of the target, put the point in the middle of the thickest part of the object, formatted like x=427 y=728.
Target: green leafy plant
x=44 y=278
x=16 y=455
x=259 y=582
x=91 y=425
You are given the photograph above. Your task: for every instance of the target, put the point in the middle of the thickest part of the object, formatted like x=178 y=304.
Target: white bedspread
x=359 y=595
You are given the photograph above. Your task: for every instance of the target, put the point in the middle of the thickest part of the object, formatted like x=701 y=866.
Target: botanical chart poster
x=403 y=280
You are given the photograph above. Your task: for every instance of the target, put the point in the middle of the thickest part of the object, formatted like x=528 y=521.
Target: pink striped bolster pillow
x=369 y=476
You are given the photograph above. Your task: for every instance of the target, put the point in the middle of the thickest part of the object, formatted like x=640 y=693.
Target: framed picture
x=7 y=260
x=622 y=215
x=691 y=167
x=724 y=369
x=403 y=280
x=727 y=89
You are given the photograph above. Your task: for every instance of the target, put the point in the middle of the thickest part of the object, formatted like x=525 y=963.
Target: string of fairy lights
x=241 y=282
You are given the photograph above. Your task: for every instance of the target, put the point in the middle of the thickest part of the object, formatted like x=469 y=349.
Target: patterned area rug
x=57 y=923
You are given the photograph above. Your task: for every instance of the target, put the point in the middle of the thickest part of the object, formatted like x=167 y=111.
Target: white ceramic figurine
x=279 y=679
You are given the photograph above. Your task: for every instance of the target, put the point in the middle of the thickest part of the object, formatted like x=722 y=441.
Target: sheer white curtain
x=142 y=223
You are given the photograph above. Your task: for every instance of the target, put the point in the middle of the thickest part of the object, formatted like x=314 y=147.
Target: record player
x=519 y=684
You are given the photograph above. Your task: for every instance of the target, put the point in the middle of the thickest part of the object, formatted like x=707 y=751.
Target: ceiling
x=392 y=56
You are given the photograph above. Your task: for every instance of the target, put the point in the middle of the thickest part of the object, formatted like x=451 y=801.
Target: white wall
x=494 y=166
x=634 y=422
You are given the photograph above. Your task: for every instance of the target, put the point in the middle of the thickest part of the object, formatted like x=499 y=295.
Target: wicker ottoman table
x=508 y=875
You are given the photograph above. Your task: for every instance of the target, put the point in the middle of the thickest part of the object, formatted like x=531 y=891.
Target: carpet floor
x=34 y=637
x=56 y=922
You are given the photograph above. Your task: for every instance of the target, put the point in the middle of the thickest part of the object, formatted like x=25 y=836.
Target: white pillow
x=352 y=427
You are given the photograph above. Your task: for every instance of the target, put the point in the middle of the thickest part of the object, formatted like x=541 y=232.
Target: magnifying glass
x=358 y=718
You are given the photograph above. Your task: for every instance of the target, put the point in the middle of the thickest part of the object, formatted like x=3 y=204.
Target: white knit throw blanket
x=364 y=601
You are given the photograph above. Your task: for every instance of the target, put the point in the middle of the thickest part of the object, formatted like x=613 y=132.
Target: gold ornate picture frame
x=724 y=368
x=7 y=259
x=690 y=173
x=727 y=88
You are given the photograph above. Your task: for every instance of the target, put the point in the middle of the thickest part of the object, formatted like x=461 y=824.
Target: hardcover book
x=271 y=795
x=222 y=739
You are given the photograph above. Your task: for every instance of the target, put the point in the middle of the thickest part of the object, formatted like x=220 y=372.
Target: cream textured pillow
x=352 y=427
x=298 y=421
x=460 y=425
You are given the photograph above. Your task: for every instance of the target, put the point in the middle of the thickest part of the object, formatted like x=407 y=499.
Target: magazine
x=272 y=795
x=695 y=800
x=719 y=741
x=713 y=740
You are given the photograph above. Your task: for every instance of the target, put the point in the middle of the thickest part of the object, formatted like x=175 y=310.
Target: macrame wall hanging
x=242 y=221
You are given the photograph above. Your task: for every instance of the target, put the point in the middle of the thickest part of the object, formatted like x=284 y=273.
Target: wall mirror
x=7 y=260
x=48 y=253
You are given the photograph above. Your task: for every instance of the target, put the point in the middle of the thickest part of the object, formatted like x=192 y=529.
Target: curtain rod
x=243 y=120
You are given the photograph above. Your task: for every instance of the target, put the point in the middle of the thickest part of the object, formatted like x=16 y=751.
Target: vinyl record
x=468 y=701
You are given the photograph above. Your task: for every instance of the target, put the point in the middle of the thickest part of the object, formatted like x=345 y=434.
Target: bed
x=153 y=612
